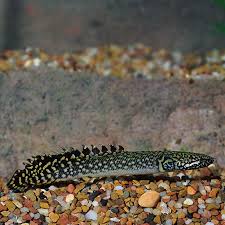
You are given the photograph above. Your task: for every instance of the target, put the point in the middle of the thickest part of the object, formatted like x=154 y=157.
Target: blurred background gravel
x=57 y=25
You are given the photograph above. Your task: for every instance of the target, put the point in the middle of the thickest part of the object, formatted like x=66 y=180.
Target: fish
x=104 y=161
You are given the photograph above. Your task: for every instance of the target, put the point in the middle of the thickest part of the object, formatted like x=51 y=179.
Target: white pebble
x=149 y=210
x=200 y=211
x=69 y=198
x=156 y=212
x=169 y=222
x=178 y=205
x=43 y=211
x=208 y=188
x=201 y=206
x=84 y=202
x=162 y=194
x=209 y=223
x=180 y=175
x=114 y=219
x=201 y=201
x=188 y=201
x=118 y=188
x=36 y=62
x=210 y=200
x=188 y=221
x=60 y=200
x=36 y=216
x=165 y=209
x=91 y=215
x=52 y=188
x=223 y=216
x=218 y=200
x=202 y=189
x=95 y=203
x=186 y=183
x=164 y=185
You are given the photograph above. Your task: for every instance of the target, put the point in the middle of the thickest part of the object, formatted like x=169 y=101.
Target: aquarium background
x=59 y=26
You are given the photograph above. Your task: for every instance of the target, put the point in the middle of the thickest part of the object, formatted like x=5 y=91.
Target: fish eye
x=168 y=164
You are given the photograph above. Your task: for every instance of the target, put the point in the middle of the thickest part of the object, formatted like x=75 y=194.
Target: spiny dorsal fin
x=75 y=153
x=94 y=150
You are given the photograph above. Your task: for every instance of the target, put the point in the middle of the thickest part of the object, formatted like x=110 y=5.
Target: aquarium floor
x=191 y=201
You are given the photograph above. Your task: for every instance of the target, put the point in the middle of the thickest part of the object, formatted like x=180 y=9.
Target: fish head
x=171 y=161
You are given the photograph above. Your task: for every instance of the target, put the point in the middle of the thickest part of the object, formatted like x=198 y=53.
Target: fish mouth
x=206 y=161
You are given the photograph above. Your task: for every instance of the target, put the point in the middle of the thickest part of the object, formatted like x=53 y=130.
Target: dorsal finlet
x=85 y=152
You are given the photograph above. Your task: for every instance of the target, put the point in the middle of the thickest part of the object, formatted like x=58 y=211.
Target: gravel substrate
x=123 y=62
x=168 y=200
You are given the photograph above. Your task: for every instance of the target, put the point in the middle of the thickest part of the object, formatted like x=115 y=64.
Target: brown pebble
x=63 y=220
x=2 y=207
x=214 y=212
x=206 y=214
x=157 y=219
x=180 y=222
x=191 y=190
x=44 y=205
x=149 y=199
x=196 y=215
x=26 y=217
x=181 y=215
x=140 y=190
x=70 y=188
x=213 y=192
x=212 y=206
x=54 y=217
x=192 y=208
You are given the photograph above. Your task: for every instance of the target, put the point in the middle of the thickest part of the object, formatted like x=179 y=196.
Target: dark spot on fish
x=86 y=151
x=113 y=148
x=95 y=150
x=121 y=148
x=104 y=149
x=77 y=152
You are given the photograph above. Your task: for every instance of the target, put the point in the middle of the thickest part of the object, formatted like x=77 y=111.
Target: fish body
x=104 y=162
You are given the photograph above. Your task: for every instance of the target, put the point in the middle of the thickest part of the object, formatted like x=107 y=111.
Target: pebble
x=192 y=209
x=70 y=188
x=114 y=219
x=191 y=190
x=24 y=209
x=54 y=217
x=44 y=205
x=43 y=212
x=10 y=205
x=30 y=194
x=149 y=199
x=91 y=215
x=169 y=222
x=188 y=201
x=69 y=198
x=164 y=186
x=118 y=188
x=17 y=204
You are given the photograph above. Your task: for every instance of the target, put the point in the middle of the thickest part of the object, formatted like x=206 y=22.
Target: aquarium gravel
x=158 y=200
x=124 y=62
